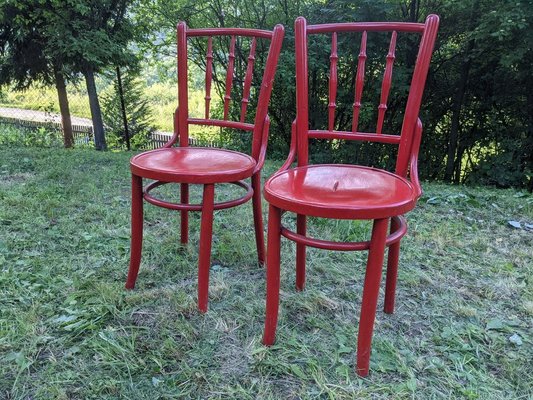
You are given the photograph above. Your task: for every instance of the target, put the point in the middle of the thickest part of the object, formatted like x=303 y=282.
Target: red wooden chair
x=347 y=191
x=208 y=166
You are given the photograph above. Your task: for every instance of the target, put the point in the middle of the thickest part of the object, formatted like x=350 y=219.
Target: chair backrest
x=405 y=139
x=229 y=57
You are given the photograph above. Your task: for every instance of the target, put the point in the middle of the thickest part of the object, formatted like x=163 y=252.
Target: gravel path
x=41 y=116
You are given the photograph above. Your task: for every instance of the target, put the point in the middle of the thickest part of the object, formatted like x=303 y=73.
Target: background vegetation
x=478 y=110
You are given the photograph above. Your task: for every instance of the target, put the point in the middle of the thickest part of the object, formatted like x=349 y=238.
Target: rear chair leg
x=392 y=270
x=184 y=199
x=301 y=227
x=258 y=218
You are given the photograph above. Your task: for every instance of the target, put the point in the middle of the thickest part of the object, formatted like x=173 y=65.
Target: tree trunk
x=529 y=141
x=410 y=13
x=457 y=105
x=98 y=125
x=459 y=96
x=458 y=164
x=66 y=123
x=414 y=8
x=123 y=109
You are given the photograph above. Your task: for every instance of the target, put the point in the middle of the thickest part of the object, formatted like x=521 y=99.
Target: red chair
x=347 y=191
x=208 y=166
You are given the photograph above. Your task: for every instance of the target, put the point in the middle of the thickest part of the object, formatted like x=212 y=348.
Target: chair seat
x=193 y=165
x=340 y=191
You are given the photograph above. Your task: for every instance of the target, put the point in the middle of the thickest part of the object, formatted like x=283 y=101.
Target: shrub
x=11 y=135
x=138 y=114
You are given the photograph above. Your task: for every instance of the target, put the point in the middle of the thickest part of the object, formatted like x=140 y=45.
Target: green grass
x=68 y=329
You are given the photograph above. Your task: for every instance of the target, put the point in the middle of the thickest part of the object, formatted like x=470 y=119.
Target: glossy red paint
x=341 y=191
x=359 y=82
x=387 y=81
x=349 y=191
x=193 y=165
x=208 y=166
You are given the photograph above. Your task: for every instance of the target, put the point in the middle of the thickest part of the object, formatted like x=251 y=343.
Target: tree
x=129 y=110
x=481 y=124
x=24 y=56
x=91 y=35
x=478 y=105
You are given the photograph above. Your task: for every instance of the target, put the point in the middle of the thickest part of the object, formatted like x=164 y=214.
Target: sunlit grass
x=68 y=329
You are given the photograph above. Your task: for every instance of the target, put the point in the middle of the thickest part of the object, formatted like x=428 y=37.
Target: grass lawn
x=463 y=327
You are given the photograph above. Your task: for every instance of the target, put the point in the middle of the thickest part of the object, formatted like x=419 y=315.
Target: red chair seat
x=340 y=191
x=193 y=165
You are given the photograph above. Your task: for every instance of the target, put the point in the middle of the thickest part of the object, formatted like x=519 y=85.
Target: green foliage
x=478 y=106
x=13 y=136
x=46 y=41
x=478 y=94
x=23 y=45
x=89 y=34
x=138 y=113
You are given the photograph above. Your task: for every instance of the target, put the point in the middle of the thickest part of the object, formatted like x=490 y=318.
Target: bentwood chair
x=224 y=49
x=342 y=191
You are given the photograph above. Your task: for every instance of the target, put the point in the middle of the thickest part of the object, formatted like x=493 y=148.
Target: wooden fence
x=83 y=134
x=158 y=139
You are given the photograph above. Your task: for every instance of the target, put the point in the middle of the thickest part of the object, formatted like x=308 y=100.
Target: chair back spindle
x=229 y=77
x=208 y=75
x=359 y=82
x=386 y=84
x=248 y=80
x=332 y=82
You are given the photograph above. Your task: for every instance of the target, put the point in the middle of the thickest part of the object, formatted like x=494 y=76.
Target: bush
x=138 y=114
x=11 y=135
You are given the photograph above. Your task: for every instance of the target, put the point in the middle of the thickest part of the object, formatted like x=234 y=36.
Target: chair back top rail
x=366 y=26
x=428 y=31
x=183 y=119
x=260 y=33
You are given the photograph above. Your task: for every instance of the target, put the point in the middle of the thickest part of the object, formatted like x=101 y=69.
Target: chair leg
x=184 y=199
x=392 y=270
x=370 y=294
x=273 y=272
x=206 y=233
x=301 y=228
x=136 y=230
x=258 y=218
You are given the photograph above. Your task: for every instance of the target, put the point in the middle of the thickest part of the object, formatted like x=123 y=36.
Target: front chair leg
x=206 y=233
x=136 y=230
x=258 y=218
x=392 y=269
x=370 y=294
x=273 y=272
